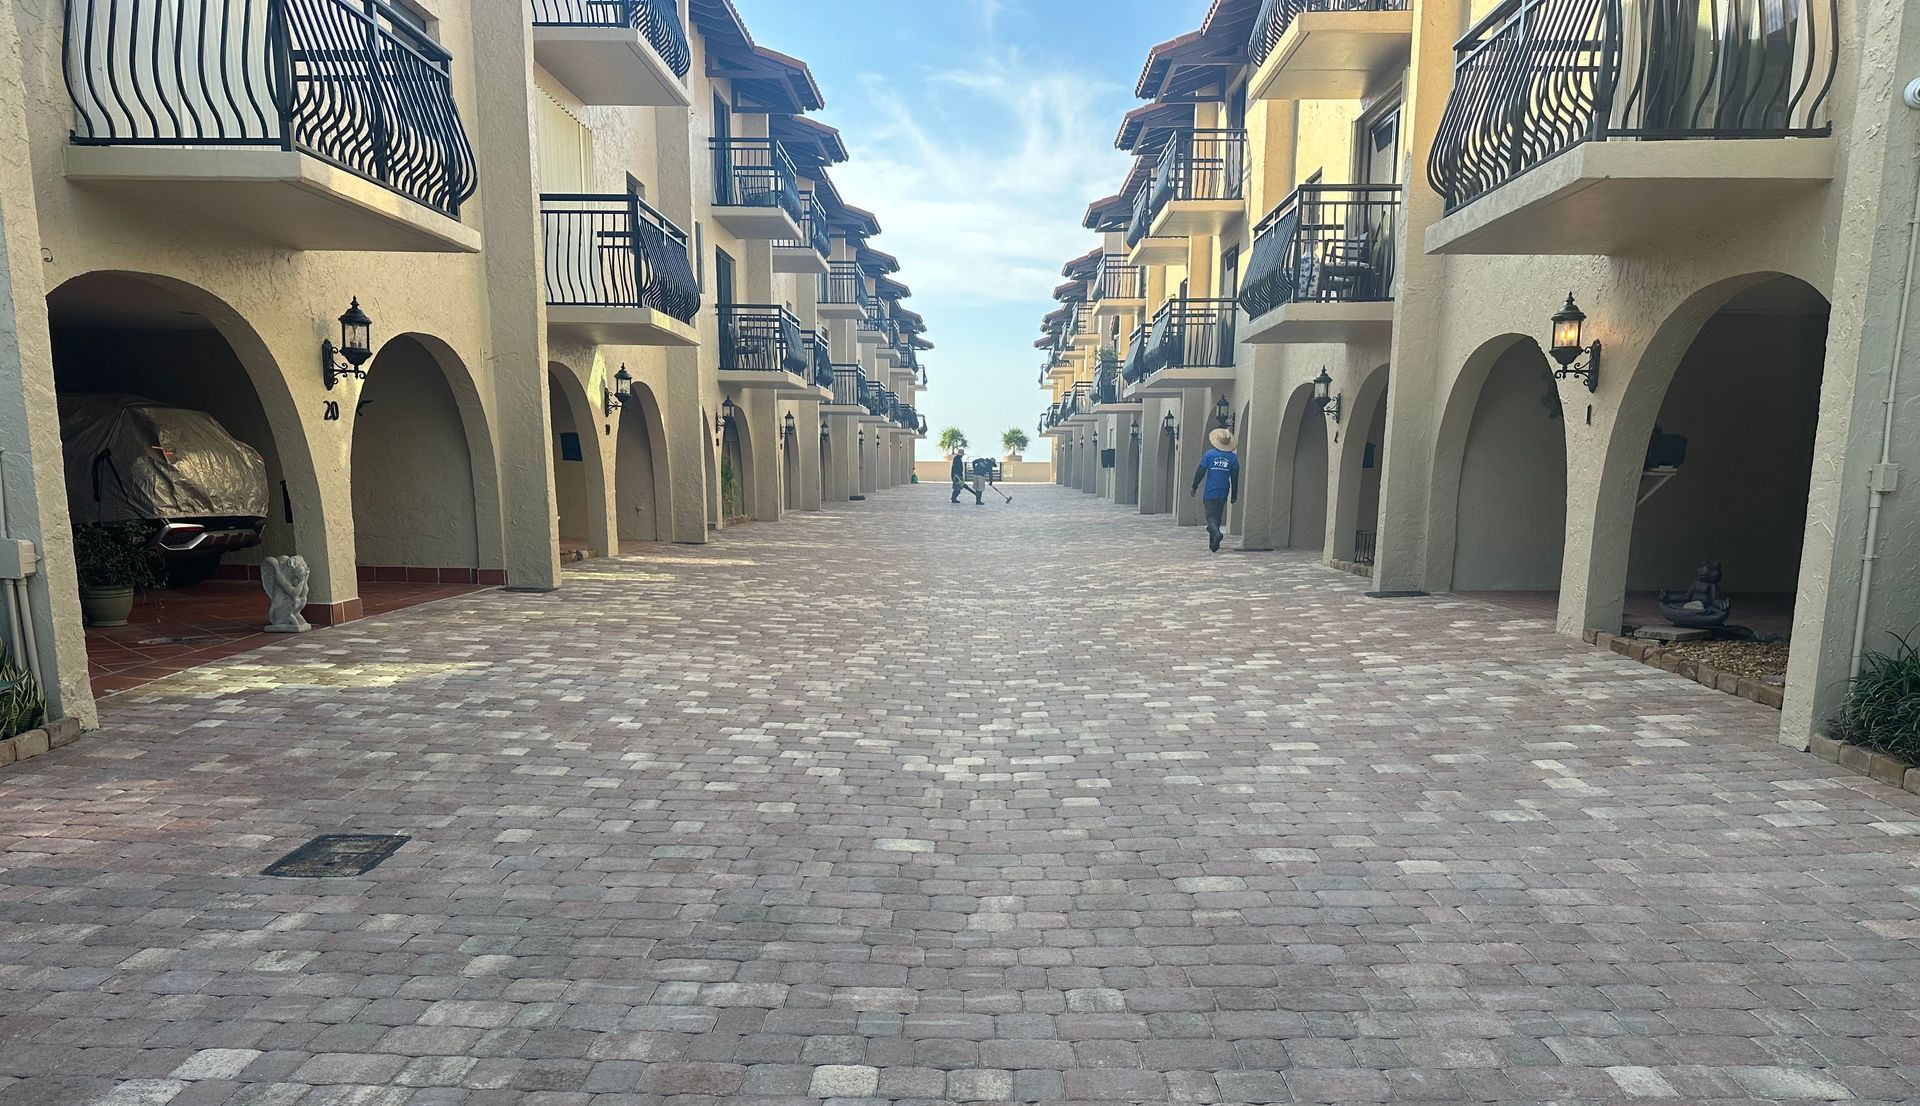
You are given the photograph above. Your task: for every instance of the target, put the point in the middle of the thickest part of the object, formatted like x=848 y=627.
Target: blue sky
x=980 y=130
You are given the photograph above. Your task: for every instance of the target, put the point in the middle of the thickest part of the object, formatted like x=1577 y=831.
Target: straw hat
x=1221 y=439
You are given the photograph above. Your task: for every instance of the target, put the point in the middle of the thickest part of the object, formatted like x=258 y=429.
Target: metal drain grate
x=333 y=855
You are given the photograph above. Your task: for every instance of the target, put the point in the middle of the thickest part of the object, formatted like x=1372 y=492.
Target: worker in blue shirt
x=1220 y=471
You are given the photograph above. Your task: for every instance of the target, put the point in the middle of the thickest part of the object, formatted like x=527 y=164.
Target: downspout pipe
x=1885 y=475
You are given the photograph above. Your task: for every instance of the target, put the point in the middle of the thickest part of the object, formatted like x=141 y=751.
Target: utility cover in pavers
x=334 y=855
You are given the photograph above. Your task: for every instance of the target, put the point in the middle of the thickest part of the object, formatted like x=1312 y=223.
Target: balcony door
x=722 y=155
x=576 y=255
x=1372 y=220
x=565 y=147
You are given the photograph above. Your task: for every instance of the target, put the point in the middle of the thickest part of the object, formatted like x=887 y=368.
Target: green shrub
x=23 y=706
x=1883 y=705
x=117 y=555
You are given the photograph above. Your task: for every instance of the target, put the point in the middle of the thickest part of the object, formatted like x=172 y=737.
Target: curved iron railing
x=813 y=229
x=754 y=172
x=1277 y=15
x=849 y=381
x=1537 y=77
x=822 y=357
x=762 y=338
x=843 y=283
x=1118 y=280
x=615 y=251
x=1186 y=333
x=656 y=20
x=1325 y=242
x=348 y=81
x=872 y=396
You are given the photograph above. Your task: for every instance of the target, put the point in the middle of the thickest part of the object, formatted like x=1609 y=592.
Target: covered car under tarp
x=130 y=459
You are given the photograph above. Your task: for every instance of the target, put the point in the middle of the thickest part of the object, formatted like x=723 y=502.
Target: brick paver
x=907 y=802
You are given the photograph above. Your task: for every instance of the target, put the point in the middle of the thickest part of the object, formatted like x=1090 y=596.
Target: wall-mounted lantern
x=1324 y=397
x=1223 y=413
x=787 y=434
x=825 y=436
x=615 y=398
x=1169 y=428
x=1134 y=430
x=1568 y=351
x=350 y=357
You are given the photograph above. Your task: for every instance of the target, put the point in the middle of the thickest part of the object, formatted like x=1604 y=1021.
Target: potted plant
x=114 y=561
x=1013 y=441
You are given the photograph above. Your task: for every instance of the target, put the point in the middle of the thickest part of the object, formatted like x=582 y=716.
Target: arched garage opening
x=161 y=339
x=1503 y=448
x=1361 y=457
x=579 y=481
x=1728 y=456
x=417 y=509
x=640 y=469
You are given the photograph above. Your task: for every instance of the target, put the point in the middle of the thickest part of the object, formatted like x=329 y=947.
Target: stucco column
x=806 y=439
x=689 y=446
x=1126 y=463
x=1195 y=415
x=839 y=477
x=1262 y=526
x=34 y=473
x=1153 y=446
x=516 y=295
x=868 y=437
x=1346 y=461
x=1413 y=397
x=1862 y=338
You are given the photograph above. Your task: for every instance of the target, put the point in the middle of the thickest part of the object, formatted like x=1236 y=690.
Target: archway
x=1307 y=514
x=1501 y=465
x=579 y=479
x=826 y=464
x=417 y=509
x=641 y=486
x=1237 y=511
x=789 y=467
x=1297 y=414
x=162 y=339
x=1361 y=457
x=1726 y=461
x=1169 y=472
x=734 y=475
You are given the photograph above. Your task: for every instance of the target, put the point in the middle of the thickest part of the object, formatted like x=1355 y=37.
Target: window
x=565 y=147
x=1379 y=146
x=1230 y=274
x=635 y=187
x=722 y=278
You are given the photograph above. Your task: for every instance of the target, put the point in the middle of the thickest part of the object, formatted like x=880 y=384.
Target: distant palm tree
x=1013 y=441
x=952 y=441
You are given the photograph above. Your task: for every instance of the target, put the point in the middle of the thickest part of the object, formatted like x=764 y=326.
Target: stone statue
x=1700 y=606
x=285 y=579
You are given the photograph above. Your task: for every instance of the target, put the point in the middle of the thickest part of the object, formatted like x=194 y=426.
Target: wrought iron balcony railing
x=813 y=229
x=347 y=81
x=656 y=20
x=1079 y=321
x=906 y=418
x=1537 y=77
x=1184 y=334
x=1120 y=281
x=762 y=338
x=843 y=283
x=1326 y=242
x=1277 y=15
x=872 y=397
x=849 y=382
x=887 y=400
x=1106 y=378
x=755 y=172
x=615 y=251
x=1196 y=165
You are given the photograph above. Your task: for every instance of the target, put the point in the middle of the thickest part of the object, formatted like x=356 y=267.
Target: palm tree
x=1013 y=441
x=952 y=441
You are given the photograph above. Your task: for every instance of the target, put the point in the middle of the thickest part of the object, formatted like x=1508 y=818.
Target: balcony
x=1589 y=127
x=762 y=346
x=1082 y=331
x=616 y=53
x=1189 y=344
x=877 y=329
x=1198 y=189
x=1108 y=392
x=617 y=272
x=312 y=124
x=875 y=399
x=1080 y=402
x=1328 y=49
x=843 y=292
x=1118 y=288
x=849 y=384
x=1322 y=266
x=807 y=253
x=756 y=194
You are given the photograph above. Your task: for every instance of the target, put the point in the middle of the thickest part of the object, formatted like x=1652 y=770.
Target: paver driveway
x=908 y=802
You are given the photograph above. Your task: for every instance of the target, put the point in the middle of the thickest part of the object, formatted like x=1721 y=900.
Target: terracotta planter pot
x=106 y=606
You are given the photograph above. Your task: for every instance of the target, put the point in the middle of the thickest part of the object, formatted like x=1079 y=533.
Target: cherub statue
x=1701 y=605
x=285 y=579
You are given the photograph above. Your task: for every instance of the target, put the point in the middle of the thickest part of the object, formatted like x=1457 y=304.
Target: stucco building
x=613 y=298
x=1353 y=232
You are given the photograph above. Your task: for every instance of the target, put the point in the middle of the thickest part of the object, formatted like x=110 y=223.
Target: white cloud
x=981 y=179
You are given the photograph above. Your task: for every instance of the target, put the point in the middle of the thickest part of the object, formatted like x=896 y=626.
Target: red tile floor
x=174 y=630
